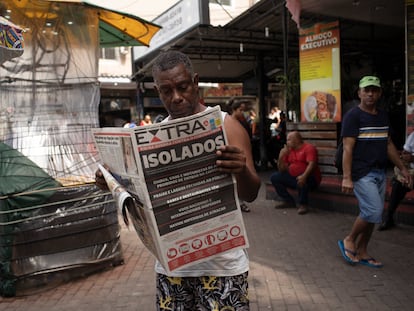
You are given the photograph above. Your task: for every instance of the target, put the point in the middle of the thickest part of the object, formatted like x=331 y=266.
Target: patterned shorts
x=202 y=293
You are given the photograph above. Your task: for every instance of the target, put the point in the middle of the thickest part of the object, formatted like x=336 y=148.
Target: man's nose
x=176 y=95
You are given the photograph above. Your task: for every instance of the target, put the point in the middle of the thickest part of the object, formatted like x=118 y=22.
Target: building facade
x=121 y=97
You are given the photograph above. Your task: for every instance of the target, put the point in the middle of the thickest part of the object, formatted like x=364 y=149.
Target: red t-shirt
x=298 y=160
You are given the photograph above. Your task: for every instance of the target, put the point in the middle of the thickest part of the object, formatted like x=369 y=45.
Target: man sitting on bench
x=298 y=169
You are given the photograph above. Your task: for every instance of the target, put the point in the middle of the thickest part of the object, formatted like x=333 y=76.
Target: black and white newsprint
x=184 y=210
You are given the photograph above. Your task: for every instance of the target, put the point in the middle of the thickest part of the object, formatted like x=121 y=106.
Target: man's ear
x=195 y=78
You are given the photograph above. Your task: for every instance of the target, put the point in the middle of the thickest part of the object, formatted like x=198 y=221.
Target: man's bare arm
x=236 y=158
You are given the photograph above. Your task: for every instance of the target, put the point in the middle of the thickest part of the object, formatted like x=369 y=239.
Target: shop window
x=114 y=111
x=107 y=53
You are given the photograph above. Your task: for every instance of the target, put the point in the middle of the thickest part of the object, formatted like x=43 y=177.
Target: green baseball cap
x=369 y=81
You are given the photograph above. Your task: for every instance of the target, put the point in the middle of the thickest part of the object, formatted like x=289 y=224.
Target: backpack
x=338 y=157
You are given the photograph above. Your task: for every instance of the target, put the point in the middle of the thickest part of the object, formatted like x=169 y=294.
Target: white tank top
x=225 y=264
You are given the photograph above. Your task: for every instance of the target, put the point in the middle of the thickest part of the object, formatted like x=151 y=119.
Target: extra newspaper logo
x=176 y=130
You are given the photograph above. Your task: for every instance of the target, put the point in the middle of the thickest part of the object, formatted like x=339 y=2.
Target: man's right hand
x=100 y=180
x=283 y=154
x=284 y=151
x=347 y=185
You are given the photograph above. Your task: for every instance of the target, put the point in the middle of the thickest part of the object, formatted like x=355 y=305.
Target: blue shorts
x=370 y=192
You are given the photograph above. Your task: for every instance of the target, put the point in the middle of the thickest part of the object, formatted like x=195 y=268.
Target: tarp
x=74 y=232
x=49 y=96
x=19 y=174
x=49 y=233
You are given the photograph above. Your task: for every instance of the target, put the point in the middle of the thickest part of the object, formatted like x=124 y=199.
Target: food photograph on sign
x=320 y=106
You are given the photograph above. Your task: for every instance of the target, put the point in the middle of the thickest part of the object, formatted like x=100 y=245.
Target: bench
x=329 y=197
x=324 y=136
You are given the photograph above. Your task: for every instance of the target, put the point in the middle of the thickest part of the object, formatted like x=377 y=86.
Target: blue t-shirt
x=371 y=132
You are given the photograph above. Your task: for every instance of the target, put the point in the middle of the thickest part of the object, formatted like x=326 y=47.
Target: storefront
x=260 y=50
x=264 y=40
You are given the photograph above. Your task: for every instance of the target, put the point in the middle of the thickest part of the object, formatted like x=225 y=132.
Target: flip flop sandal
x=368 y=262
x=344 y=250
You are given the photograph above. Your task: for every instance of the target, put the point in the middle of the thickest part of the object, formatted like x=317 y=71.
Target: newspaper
x=184 y=209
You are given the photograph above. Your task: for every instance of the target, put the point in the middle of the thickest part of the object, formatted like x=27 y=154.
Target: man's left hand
x=301 y=180
x=231 y=159
x=408 y=179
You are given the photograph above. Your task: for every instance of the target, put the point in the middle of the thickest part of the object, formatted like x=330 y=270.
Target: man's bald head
x=294 y=139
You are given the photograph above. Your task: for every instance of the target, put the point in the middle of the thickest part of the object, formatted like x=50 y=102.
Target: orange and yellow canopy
x=115 y=28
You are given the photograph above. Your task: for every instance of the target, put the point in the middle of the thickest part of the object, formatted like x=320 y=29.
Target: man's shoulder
x=382 y=112
x=305 y=143
x=352 y=112
x=308 y=146
x=223 y=113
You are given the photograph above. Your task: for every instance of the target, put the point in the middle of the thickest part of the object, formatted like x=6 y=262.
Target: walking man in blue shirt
x=367 y=147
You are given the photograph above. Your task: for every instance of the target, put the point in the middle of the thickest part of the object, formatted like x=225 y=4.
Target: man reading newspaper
x=221 y=281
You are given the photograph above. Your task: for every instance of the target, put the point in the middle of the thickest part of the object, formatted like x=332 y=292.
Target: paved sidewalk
x=295 y=265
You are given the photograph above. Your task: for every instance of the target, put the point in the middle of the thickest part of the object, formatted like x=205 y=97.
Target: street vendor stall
x=49 y=233
x=54 y=223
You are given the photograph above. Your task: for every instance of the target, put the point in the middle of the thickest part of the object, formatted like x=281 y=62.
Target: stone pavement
x=295 y=265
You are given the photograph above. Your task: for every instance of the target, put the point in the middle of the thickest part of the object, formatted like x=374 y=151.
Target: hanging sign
x=320 y=87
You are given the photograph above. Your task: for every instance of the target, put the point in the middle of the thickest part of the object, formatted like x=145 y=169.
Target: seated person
x=399 y=188
x=298 y=169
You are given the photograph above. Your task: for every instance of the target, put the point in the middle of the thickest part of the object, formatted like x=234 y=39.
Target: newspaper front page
x=185 y=210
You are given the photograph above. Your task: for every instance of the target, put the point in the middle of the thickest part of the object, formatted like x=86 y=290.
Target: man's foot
x=302 y=209
x=244 y=208
x=284 y=204
x=386 y=225
x=347 y=253
x=370 y=262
